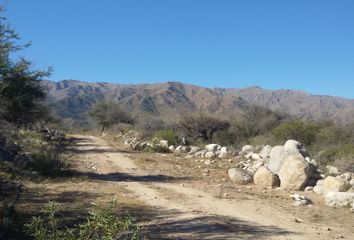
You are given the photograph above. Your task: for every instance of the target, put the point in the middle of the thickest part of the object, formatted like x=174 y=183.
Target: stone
x=265 y=152
x=164 y=143
x=275 y=159
x=212 y=147
x=200 y=153
x=247 y=149
x=256 y=156
x=309 y=189
x=239 y=176
x=210 y=155
x=223 y=150
x=332 y=170
x=193 y=150
x=171 y=148
x=347 y=176
x=336 y=184
x=257 y=164
x=295 y=147
x=207 y=162
x=181 y=149
x=294 y=173
x=223 y=155
x=340 y=199
x=265 y=177
x=351 y=182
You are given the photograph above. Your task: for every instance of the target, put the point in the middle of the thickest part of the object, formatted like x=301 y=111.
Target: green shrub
x=304 y=132
x=340 y=156
x=101 y=223
x=166 y=134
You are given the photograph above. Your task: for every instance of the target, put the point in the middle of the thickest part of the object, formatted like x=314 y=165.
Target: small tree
x=21 y=92
x=304 y=132
x=109 y=114
x=202 y=126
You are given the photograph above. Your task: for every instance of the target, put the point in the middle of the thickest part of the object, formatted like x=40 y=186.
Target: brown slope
x=74 y=98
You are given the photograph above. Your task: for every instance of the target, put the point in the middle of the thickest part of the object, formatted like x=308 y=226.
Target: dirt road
x=188 y=213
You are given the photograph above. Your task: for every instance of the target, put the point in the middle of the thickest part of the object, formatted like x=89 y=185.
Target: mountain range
x=72 y=100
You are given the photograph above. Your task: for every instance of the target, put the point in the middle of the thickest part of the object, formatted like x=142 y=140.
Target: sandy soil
x=186 y=203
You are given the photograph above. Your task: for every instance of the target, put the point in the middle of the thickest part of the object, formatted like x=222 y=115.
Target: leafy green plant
x=304 y=132
x=101 y=223
x=166 y=134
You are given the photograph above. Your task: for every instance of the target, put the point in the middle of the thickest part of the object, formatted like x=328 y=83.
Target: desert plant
x=304 y=132
x=101 y=223
x=109 y=114
x=202 y=126
x=166 y=134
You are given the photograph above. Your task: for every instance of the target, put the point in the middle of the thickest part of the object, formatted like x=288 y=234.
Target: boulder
x=295 y=147
x=332 y=170
x=256 y=156
x=265 y=152
x=200 y=153
x=340 y=199
x=240 y=176
x=224 y=150
x=247 y=149
x=193 y=150
x=210 y=155
x=171 y=148
x=336 y=184
x=223 y=155
x=257 y=164
x=294 y=173
x=276 y=157
x=212 y=147
x=164 y=143
x=181 y=149
x=265 y=177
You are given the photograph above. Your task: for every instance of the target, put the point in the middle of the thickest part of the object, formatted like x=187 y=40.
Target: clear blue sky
x=296 y=44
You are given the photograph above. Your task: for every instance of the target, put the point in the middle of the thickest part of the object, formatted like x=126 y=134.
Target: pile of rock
x=288 y=166
x=338 y=191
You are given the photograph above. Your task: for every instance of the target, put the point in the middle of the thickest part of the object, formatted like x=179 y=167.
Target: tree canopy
x=21 y=93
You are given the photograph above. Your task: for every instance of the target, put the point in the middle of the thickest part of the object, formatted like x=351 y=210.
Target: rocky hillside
x=73 y=98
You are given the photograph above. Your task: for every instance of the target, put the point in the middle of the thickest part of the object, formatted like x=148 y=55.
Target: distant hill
x=72 y=99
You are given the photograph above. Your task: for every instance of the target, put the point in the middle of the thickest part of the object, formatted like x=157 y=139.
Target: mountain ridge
x=74 y=98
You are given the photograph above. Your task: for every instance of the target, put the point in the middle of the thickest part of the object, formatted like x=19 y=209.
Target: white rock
x=265 y=152
x=336 y=184
x=239 y=176
x=212 y=147
x=223 y=155
x=264 y=177
x=276 y=158
x=164 y=143
x=223 y=150
x=332 y=170
x=193 y=150
x=181 y=149
x=247 y=149
x=340 y=199
x=256 y=156
x=295 y=147
x=200 y=153
x=207 y=162
x=309 y=189
x=171 y=148
x=210 y=155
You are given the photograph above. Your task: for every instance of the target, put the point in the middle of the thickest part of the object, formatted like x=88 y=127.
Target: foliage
x=21 y=92
x=341 y=156
x=48 y=150
x=166 y=134
x=202 y=126
x=101 y=223
x=109 y=114
x=304 y=132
